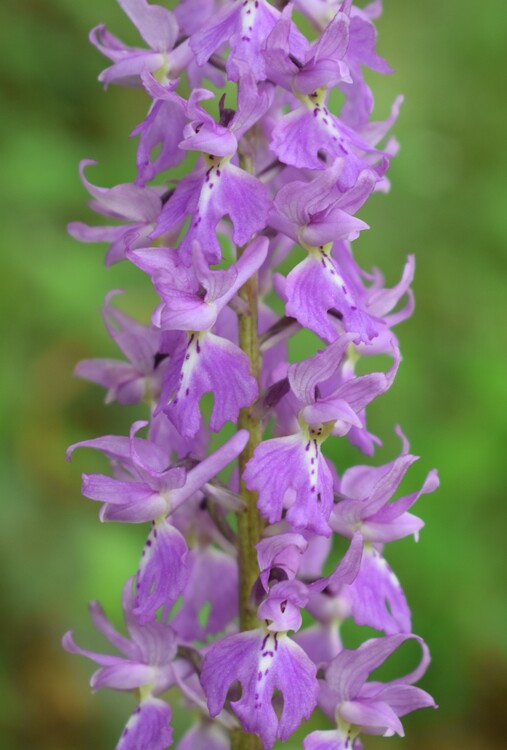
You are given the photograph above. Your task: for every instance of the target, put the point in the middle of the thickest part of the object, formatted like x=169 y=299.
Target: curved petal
x=157 y=25
x=371 y=714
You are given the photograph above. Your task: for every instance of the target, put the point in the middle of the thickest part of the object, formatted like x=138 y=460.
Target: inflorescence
x=231 y=569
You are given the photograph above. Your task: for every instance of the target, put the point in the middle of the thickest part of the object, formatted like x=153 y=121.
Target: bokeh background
x=448 y=204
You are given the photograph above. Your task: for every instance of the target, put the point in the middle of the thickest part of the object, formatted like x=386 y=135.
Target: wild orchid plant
x=215 y=607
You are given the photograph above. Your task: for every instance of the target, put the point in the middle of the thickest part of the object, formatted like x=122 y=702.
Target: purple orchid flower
x=193 y=297
x=322 y=63
x=291 y=471
x=326 y=294
x=361 y=51
x=310 y=132
x=366 y=492
x=316 y=214
x=217 y=187
x=245 y=25
x=137 y=206
x=206 y=363
x=159 y=29
x=368 y=707
x=192 y=301
x=151 y=493
x=132 y=381
x=262 y=663
x=281 y=607
x=376 y=597
x=147 y=663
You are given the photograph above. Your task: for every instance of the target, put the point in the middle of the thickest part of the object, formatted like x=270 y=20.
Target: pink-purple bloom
x=262 y=663
x=244 y=619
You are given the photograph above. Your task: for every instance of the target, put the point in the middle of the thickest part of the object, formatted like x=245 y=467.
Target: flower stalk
x=250 y=524
x=207 y=609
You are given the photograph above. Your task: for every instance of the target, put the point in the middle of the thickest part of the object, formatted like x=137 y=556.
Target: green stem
x=249 y=521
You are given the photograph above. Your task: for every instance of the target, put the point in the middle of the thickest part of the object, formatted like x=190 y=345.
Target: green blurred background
x=448 y=204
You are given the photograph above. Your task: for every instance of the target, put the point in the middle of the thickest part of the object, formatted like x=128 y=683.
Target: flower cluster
x=232 y=560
